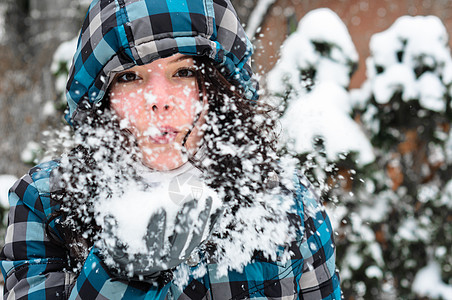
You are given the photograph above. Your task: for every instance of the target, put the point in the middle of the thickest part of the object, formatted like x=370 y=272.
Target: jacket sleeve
x=320 y=278
x=34 y=267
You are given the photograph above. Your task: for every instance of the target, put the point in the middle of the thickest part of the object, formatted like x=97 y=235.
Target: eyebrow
x=184 y=57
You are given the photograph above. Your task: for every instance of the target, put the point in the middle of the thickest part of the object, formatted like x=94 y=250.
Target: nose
x=159 y=97
x=162 y=106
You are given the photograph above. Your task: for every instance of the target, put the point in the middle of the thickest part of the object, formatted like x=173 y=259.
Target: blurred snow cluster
x=313 y=74
x=329 y=53
x=411 y=57
x=2 y=22
x=61 y=63
x=6 y=182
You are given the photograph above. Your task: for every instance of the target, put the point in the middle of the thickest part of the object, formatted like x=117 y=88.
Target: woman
x=159 y=90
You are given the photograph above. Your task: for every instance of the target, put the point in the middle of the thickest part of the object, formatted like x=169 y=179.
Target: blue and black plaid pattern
x=116 y=35
x=34 y=267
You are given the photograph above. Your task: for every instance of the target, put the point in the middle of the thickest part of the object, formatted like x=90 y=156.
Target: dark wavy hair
x=232 y=121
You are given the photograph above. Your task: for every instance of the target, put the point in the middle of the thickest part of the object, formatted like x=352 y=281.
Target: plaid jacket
x=34 y=267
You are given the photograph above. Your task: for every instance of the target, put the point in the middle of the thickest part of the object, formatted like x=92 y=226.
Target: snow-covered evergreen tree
x=405 y=106
x=309 y=85
x=393 y=206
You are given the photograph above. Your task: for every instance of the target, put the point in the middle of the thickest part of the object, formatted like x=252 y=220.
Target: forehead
x=167 y=62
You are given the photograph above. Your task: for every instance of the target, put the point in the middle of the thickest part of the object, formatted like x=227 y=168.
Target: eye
x=184 y=72
x=127 y=77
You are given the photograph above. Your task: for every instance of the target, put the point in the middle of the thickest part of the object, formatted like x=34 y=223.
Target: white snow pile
x=323 y=112
x=321 y=42
x=411 y=57
x=165 y=191
x=6 y=182
x=428 y=283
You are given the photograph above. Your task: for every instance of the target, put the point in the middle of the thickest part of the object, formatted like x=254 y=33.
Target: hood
x=119 y=34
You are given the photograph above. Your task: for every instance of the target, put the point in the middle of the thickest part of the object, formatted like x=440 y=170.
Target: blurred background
x=364 y=91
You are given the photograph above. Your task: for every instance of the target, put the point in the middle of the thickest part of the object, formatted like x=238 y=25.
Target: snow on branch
x=312 y=76
x=257 y=16
x=412 y=57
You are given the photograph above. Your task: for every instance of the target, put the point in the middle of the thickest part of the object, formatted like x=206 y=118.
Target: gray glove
x=161 y=254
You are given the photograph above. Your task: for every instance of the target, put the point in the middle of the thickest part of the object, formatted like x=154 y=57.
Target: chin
x=165 y=161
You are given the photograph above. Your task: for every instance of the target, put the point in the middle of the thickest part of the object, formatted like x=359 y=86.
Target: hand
x=188 y=232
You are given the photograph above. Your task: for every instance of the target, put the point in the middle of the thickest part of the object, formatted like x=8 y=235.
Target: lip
x=167 y=135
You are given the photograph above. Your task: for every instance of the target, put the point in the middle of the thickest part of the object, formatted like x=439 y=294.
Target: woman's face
x=160 y=103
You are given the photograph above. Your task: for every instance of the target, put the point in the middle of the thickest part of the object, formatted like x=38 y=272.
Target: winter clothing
x=35 y=267
x=118 y=35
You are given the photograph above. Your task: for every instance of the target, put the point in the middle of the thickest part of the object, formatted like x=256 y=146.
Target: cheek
x=188 y=102
x=126 y=106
